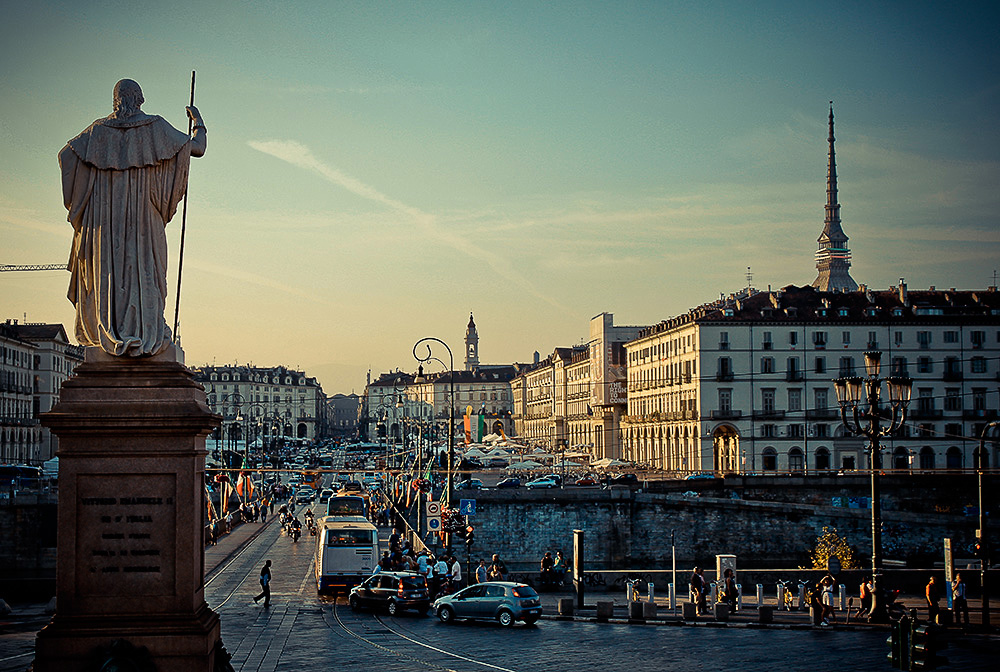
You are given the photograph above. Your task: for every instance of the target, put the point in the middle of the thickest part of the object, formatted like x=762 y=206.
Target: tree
x=831 y=545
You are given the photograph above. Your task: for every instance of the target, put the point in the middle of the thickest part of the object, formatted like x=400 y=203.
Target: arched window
x=900 y=458
x=953 y=458
x=822 y=459
x=926 y=457
x=769 y=459
x=795 y=460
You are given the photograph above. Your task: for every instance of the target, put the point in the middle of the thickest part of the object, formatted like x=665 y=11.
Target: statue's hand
x=194 y=115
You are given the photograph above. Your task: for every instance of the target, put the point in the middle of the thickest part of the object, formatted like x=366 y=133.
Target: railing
x=768 y=415
x=729 y=414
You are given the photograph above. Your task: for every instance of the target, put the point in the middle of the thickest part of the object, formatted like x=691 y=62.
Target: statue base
x=130 y=554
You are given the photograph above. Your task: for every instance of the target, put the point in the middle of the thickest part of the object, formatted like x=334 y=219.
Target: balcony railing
x=824 y=414
x=952 y=376
x=729 y=414
x=980 y=414
x=925 y=413
x=768 y=415
x=724 y=376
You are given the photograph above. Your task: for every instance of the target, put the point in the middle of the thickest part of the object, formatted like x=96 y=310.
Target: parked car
x=502 y=601
x=542 y=483
x=586 y=480
x=699 y=477
x=471 y=484
x=392 y=591
x=555 y=477
x=624 y=479
x=509 y=483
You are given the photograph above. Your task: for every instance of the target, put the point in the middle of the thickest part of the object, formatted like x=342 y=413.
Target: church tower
x=833 y=258
x=471 y=345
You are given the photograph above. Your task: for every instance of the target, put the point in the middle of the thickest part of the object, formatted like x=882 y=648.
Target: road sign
x=433 y=509
x=434 y=524
x=467 y=507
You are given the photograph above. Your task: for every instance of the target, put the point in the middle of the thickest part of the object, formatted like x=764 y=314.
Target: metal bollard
x=781 y=596
x=714 y=595
x=629 y=590
x=802 y=597
x=760 y=595
x=672 y=593
x=843 y=597
x=650 y=591
x=739 y=597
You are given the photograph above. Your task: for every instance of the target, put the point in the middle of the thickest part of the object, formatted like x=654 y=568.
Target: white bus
x=346 y=552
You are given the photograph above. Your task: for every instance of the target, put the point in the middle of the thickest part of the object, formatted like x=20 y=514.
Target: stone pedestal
x=131 y=499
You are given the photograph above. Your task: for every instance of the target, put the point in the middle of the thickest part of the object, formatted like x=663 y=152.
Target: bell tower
x=471 y=345
x=833 y=257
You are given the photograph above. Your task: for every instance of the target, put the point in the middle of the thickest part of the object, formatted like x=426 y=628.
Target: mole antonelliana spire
x=833 y=258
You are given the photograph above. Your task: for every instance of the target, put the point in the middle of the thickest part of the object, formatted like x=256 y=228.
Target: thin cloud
x=299 y=155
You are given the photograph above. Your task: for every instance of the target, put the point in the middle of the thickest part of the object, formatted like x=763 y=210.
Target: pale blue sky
x=376 y=171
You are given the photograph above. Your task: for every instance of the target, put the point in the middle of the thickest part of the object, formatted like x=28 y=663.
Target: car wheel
x=354 y=603
x=531 y=620
x=505 y=618
x=393 y=608
x=446 y=614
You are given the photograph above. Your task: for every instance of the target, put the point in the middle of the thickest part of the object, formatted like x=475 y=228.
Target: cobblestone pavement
x=303 y=631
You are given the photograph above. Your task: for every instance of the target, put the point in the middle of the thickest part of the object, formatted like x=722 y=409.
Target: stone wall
x=765 y=522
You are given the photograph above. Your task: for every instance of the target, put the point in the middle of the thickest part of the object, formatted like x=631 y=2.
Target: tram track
x=332 y=617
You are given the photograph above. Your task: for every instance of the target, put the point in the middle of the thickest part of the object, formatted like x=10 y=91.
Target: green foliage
x=831 y=545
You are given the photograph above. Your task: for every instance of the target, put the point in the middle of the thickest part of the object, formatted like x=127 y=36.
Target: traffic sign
x=467 y=507
x=434 y=524
x=433 y=509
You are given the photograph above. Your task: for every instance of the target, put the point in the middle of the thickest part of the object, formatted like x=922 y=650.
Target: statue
x=123 y=178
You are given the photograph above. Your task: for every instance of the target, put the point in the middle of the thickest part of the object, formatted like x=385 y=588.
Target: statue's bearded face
x=127 y=99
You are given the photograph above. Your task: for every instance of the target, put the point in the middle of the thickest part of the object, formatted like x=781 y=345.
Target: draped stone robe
x=122 y=180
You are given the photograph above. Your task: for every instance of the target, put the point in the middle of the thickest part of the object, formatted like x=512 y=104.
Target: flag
x=211 y=509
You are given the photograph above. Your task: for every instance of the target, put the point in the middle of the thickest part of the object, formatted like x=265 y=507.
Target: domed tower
x=471 y=345
x=833 y=258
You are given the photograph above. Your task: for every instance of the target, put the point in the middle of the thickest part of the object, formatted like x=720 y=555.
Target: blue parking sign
x=467 y=507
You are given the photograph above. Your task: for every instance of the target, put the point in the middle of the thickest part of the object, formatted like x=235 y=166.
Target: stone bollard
x=565 y=606
x=605 y=610
x=649 y=610
x=689 y=611
x=721 y=611
x=635 y=610
x=765 y=614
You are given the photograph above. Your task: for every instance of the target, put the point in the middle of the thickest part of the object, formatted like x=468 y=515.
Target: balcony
x=729 y=414
x=768 y=415
x=793 y=376
x=980 y=414
x=824 y=414
x=925 y=413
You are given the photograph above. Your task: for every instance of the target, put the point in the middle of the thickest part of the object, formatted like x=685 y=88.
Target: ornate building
x=745 y=384
x=255 y=401
x=36 y=360
x=833 y=258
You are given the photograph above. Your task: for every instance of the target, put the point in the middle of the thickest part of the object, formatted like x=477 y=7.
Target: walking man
x=265 y=584
x=960 y=604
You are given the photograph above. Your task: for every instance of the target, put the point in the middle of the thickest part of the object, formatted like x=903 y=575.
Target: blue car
x=502 y=601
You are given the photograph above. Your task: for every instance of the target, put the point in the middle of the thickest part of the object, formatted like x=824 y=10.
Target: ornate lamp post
x=236 y=400
x=863 y=415
x=991 y=429
x=451 y=418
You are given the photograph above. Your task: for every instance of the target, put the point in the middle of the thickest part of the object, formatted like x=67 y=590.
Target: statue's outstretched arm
x=199 y=140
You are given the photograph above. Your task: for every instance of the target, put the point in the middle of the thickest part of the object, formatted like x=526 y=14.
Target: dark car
x=509 y=483
x=624 y=479
x=502 y=601
x=392 y=591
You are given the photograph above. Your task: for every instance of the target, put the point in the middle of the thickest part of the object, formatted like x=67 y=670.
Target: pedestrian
x=394 y=540
x=501 y=567
x=384 y=564
x=866 y=592
x=265 y=584
x=933 y=594
x=697 y=589
x=829 y=614
x=456 y=573
x=731 y=591
x=481 y=572
x=442 y=574
x=559 y=567
x=958 y=601
x=494 y=573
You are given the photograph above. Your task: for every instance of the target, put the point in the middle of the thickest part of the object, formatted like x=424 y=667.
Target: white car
x=542 y=483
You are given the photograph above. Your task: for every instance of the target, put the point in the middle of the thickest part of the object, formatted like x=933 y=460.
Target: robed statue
x=123 y=178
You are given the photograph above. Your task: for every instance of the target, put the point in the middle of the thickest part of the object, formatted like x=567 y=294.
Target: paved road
x=303 y=631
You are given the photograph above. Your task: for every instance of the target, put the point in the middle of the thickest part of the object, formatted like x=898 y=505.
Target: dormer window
x=842 y=312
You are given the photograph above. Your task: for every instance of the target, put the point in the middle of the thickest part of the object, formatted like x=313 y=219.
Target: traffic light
x=899 y=649
x=470 y=535
x=925 y=642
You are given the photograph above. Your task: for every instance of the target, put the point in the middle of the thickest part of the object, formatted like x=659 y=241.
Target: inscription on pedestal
x=126 y=534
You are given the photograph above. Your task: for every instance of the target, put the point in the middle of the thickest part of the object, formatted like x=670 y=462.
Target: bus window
x=349 y=538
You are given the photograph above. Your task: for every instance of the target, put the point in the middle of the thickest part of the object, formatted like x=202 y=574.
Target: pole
x=184 y=212
x=985 y=555
x=673 y=572
x=878 y=611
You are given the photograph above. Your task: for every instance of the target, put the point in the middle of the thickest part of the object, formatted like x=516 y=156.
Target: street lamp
x=236 y=400
x=982 y=464
x=867 y=418
x=451 y=418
